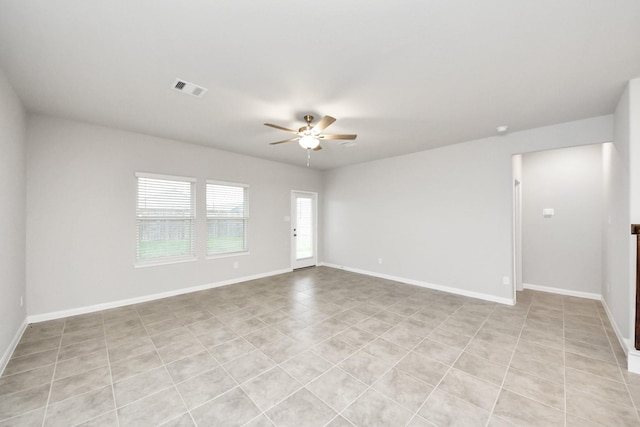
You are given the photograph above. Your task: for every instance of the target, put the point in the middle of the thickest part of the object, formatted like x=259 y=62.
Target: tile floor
x=324 y=347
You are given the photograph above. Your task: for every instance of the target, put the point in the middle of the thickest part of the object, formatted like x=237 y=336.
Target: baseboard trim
x=560 y=291
x=633 y=355
x=12 y=346
x=633 y=358
x=120 y=303
x=457 y=291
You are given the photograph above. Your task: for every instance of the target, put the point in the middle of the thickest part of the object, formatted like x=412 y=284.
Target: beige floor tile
x=526 y=412
x=27 y=379
x=78 y=365
x=365 y=367
x=404 y=389
x=131 y=348
x=593 y=366
x=80 y=408
x=597 y=410
x=339 y=422
x=589 y=350
x=204 y=387
x=37 y=346
x=29 y=419
x=533 y=364
x=135 y=365
x=385 y=350
x=140 y=386
x=283 y=349
x=336 y=388
x=81 y=383
x=231 y=350
x=217 y=337
x=32 y=361
x=469 y=388
x=535 y=388
x=423 y=368
x=154 y=409
x=356 y=337
x=306 y=366
x=443 y=409
x=270 y=388
x=334 y=350
x=449 y=338
x=603 y=388
x=191 y=366
x=418 y=421
x=481 y=368
x=18 y=403
x=82 y=348
x=301 y=409
x=278 y=334
x=372 y=408
x=437 y=351
x=249 y=366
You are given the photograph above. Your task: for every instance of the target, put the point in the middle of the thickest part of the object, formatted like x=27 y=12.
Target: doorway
x=304 y=241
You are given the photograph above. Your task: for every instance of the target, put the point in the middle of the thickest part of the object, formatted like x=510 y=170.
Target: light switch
x=548 y=212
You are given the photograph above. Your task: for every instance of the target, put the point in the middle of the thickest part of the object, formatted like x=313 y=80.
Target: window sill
x=163 y=262
x=228 y=255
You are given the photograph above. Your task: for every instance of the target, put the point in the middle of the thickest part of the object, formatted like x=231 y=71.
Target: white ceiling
x=404 y=75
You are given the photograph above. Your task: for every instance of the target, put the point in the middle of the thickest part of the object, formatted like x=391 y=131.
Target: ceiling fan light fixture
x=309 y=142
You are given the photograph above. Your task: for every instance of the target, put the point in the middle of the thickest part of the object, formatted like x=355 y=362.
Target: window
x=227 y=217
x=165 y=219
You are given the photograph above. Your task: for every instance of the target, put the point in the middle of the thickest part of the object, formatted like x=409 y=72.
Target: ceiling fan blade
x=286 y=140
x=317 y=148
x=281 y=128
x=344 y=137
x=324 y=123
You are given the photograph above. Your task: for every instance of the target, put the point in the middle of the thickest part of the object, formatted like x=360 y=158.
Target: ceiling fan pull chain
x=308 y=157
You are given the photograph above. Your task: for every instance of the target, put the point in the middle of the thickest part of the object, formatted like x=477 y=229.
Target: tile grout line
x=624 y=381
x=332 y=365
x=113 y=390
x=513 y=353
x=53 y=375
x=415 y=413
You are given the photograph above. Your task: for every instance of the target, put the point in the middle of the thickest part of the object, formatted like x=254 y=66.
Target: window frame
x=164 y=260
x=245 y=218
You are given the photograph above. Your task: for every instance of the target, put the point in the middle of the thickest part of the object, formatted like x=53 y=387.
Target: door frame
x=313 y=260
x=517 y=237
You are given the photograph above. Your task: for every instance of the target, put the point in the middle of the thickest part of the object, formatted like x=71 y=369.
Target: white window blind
x=165 y=219
x=227 y=217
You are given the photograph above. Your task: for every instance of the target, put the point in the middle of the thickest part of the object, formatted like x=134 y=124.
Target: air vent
x=189 y=88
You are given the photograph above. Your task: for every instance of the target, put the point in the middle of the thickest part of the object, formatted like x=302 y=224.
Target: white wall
x=634 y=191
x=563 y=251
x=81 y=206
x=12 y=218
x=442 y=216
x=621 y=165
x=616 y=286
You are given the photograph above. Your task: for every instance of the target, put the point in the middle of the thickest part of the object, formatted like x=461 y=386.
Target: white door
x=303 y=229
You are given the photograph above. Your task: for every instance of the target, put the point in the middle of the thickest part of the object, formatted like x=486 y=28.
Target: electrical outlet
x=235 y=264
x=379 y=260
x=505 y=280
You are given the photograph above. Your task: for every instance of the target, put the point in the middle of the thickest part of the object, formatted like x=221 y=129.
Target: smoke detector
x=189 y=88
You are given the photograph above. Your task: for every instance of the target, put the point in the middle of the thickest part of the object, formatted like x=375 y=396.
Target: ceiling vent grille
x=189 y=88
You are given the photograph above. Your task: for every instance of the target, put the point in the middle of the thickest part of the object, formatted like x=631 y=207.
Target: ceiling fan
x=309 y=136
